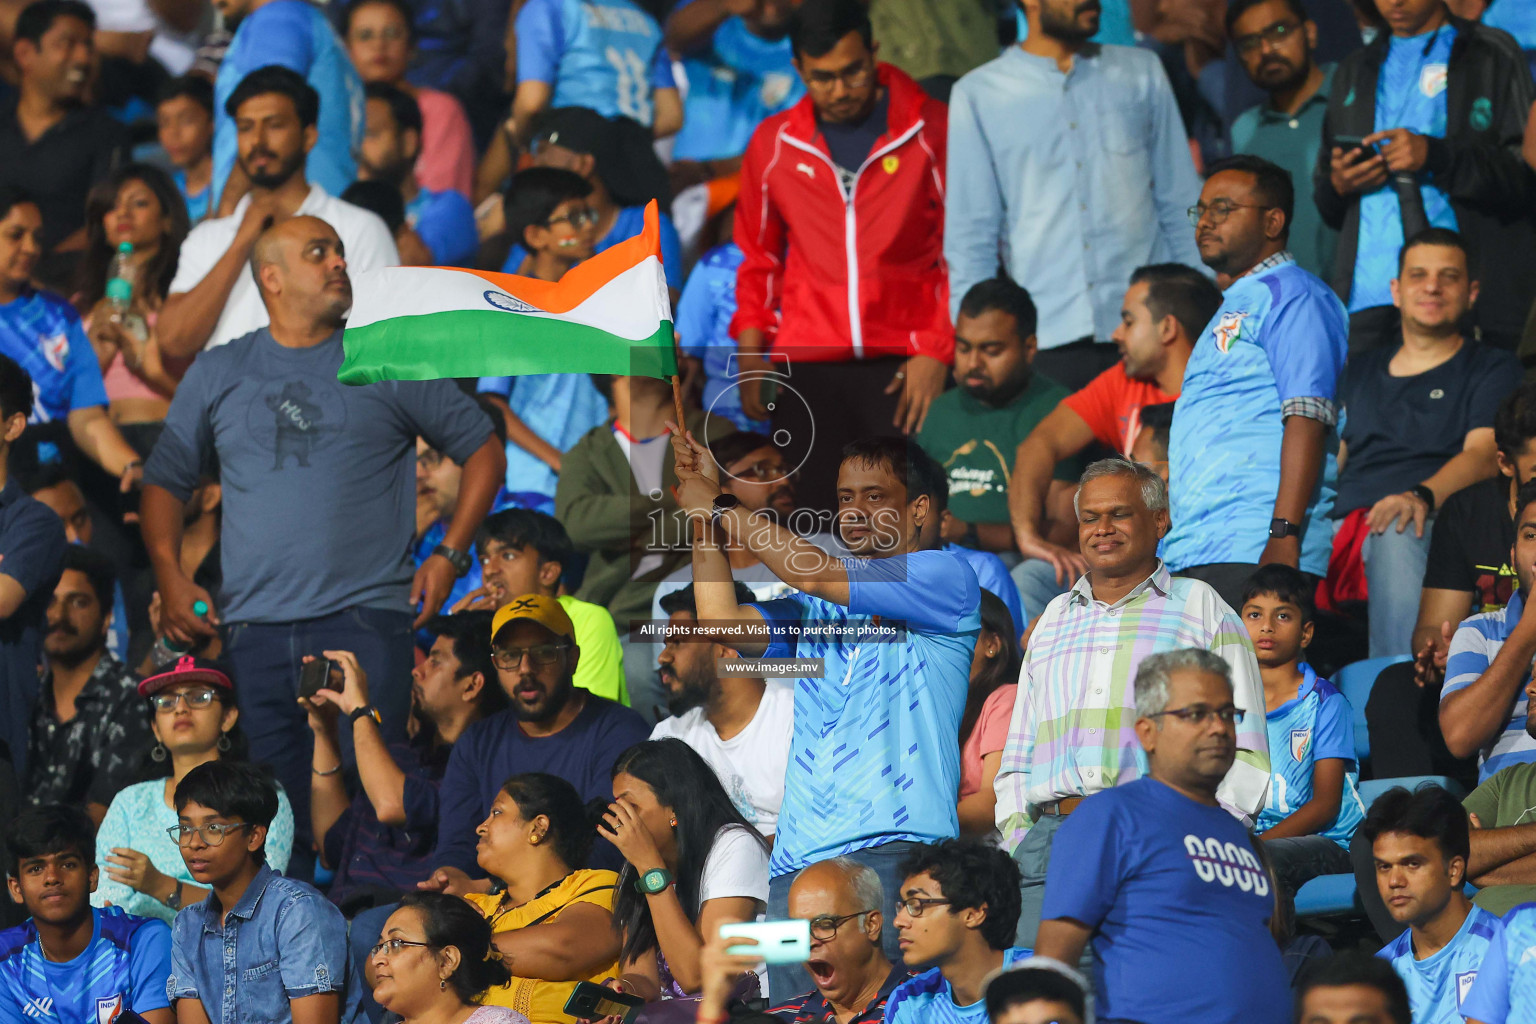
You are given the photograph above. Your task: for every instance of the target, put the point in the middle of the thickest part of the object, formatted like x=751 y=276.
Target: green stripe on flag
x=493 y=343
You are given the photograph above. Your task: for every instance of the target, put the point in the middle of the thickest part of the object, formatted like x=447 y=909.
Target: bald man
x=852 y=977
x=319 y=487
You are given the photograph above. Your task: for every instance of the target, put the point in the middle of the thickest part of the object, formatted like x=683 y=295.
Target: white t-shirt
x=737 y=865
x=646 y=463
x=367 y=242
x=751 y=764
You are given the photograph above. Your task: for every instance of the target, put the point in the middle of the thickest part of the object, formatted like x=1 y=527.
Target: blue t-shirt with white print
x=1505 y=989
x=602 y=54
x=1316 y=724
x=1280 y=334
x=1438 y=985
x=1410 y=93
x=873 y=757
x=735 y=81
x=295 y=35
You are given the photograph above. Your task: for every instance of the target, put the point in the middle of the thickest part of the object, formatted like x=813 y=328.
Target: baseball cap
x=546 y=611
x=187 y=669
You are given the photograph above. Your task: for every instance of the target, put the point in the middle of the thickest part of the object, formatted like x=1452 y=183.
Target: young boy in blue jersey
x=272 y=946
x=72 y=964
x=1314 y=800
x=1505 y=989
x=1420 y=843
x=956 y=913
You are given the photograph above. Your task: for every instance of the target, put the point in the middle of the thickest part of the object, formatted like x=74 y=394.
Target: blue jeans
x=1394 y=573
x=1033 y=858
x=788 y=980
x=265 y=658
x=1036 y=580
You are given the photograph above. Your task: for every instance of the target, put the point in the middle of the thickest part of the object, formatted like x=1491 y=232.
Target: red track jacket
x=828 y=276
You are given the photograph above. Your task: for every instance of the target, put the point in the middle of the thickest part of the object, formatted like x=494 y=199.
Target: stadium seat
x=1355 y=681
x=1373 y=788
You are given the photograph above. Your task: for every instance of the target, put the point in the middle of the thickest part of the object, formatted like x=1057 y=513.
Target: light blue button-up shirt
x=1076 y=179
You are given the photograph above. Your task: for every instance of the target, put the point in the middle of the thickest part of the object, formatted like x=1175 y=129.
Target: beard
x=1063 y=25
x=690 y=693
x=546 y=707
x=272 y=179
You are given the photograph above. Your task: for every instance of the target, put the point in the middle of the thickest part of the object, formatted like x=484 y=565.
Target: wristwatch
x=1279 y=528
x=366 y=711
x=460 y=560
x=1424 y=494
x=173 y=901
x=723 y=504
x=653 y=881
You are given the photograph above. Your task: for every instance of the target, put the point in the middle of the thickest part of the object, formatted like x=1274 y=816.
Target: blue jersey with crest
x=42 y=332
x=602 y=54
x=1317 y=724
x=1439 y=985
x=1505 y=989
x=123 y=967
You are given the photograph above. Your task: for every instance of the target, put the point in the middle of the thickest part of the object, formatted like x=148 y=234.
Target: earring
x=224 y=743
x=158 y=753
x=674 y=823
x=443 y=984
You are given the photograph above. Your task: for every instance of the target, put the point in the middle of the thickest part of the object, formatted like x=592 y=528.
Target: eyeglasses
x=392 y=34
x=576 y=219
x=1220 y=210
x=392 y=946
x=429 y=458
x=764 y=469
x=539 y=654
x=915 y=905
x=209 y=835
x=825 y=927
x=1199 y=714
x=852 y=78
x=194 y=698
x=1278 y=32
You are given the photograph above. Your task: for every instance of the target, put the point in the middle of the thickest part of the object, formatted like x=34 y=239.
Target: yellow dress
x=543 y=1002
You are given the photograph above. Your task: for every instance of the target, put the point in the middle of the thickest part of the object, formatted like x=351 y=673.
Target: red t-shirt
x=1111 y=405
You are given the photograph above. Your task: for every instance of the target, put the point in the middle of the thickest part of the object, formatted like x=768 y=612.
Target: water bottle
x=166 y=651
x=120 y=293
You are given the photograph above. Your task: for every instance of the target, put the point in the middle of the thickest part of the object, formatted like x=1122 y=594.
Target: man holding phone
x=1398 y=157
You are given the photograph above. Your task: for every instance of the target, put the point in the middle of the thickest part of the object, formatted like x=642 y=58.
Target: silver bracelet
x=317 y=771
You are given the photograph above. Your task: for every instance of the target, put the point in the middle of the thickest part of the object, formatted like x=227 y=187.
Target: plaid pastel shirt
x=1073 y=726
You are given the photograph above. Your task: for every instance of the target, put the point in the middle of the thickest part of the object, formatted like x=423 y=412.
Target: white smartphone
x=778 y=942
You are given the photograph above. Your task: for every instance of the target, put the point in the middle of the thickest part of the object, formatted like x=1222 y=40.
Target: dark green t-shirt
x=975 y=444
x=1508 y=798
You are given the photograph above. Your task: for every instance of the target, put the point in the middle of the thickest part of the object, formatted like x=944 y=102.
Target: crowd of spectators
x=1095 y=510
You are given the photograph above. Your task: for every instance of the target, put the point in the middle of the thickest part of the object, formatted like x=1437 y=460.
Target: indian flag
x=610 y=314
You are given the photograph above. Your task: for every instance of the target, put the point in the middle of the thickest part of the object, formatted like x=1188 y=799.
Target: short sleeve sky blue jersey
x=1317 y=724
x=1439 y=985
x=560 y=408
x=43 y=333
x=704 y=313
x=733 y=84
x=602 y=54
x=296 y=35
x=1410 y=93
x=1279 y=334
x=1505 y=989
x=124 y=967
x=446 y=223
x=929 y=998
x=873 y=758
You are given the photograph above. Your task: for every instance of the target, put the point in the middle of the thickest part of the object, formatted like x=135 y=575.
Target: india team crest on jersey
x=1463 y=986
x=1228 y=329
x=1432 y=80
x=56 y=350
x=1301 y=739
x=107 y=1009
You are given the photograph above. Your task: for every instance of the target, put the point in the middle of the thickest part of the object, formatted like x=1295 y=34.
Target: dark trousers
x=819 y=408
x=788 y=980
x=1076 y=363
x=265 y=659
x=1404 y=723
x=1299 y=859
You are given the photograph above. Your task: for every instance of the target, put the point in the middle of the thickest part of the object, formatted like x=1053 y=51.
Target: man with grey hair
x=319 y=503
x=1071 y=733
x=1162 y=880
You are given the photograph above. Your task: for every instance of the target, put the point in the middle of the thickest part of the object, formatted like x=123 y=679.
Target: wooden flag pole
x=677 y=402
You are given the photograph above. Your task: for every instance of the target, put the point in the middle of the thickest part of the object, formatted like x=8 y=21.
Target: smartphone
x=778 y=942
x=315 y=675
x=1355 y=142
x=589 y=1001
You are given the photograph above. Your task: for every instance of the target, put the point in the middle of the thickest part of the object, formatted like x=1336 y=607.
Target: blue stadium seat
x=1355 y=681
x=1333 y=895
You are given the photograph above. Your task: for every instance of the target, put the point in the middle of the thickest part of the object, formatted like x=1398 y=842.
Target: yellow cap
x=546 y=611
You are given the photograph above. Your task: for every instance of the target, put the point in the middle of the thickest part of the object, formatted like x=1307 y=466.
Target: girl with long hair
x=138 y=204
x=693 y=864
x=988 y=709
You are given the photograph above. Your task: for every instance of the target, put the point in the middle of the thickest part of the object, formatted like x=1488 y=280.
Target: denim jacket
x=282 y=941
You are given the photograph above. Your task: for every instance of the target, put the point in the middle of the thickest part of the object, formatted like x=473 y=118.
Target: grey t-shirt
x=319 y=477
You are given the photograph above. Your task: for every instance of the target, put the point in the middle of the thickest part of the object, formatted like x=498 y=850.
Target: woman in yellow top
x=554 y=922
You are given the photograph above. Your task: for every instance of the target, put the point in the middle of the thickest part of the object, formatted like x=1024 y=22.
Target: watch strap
x=460 y=560
x=366 y=711
x=1424 y=494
